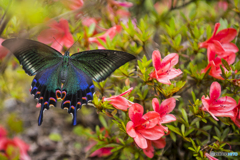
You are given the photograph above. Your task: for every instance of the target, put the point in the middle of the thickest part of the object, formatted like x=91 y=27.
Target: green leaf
x=195 y=120
x=193 y=143
x=116 y=149
x=97 y=130
x=103 y=121
x=215 y=137
x=55 y=137
x=217 y=132
x=184 y=115
x=225 y=133
x=173 y=136
x=112 y=145
x=223 y=72
x=206 y=74
x=189 y=131
x=91 y=29
x=2 y=157
x=207 y=127
x=178 y=39
x=192 y=149
x=225 y=64
x=183 y=129
x=194 y=96
x=174 y=129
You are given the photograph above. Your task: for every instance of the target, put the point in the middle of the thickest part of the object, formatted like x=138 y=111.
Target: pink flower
x=143 y=127
x=236 y=118
x=120 y=102
x=149 y=151
x=111 y=32
x=3 y=51
x=215 y=70
x=73 y=4
x=219 y=47
x=15 y=142
x=58 y=35
x=223 y=5
x=123 y=4
x=166 y=107
x=224 y=36
x=102 y=152
x=3 y=132
x=220 y=107
x=210 y=157
x=164 y=70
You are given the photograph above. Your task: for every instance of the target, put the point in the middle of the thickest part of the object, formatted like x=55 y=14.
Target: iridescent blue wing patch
x=77 y=90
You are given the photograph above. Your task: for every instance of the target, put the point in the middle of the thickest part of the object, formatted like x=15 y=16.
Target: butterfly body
x=64 y=77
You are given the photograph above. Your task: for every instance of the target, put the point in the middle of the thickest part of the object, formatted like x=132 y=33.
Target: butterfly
x=64 y=77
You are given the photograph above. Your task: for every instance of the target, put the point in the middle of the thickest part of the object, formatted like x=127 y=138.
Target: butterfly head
x=66 y=53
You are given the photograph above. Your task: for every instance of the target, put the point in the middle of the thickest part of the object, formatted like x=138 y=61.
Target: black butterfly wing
x=99 y=64
x=46 y=87
x=32 y=55
x=43 y=61
x=77 y=90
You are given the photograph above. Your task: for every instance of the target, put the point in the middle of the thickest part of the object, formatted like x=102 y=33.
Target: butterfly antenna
x=73 y=44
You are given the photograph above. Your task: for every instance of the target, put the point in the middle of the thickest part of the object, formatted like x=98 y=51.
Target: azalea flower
x=111 y=32
x=166 y=107
x=215 y=106
x=149 y=151
x=236 y=118
x=210 y=157
x=222 y=4
x=15 y=142
x=224 y=36
x=3 y=132
x=58 y=35
x=219 y=47
x=120 y=102
x=102 y=152
x=73 y=4
x=143 y=127
x=164 y=70
x=123 y=4
x=3 y=51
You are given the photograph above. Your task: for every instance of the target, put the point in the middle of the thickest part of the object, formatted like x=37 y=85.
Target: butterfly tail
x=73 y=102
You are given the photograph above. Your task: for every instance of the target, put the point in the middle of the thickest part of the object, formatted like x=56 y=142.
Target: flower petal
x=160 y=143
x=119 y=102
x=222 y=114
x=226 y=35
x=210 y=157
x=168 y=118
x=152 y=133
x=215 y=91
x=230 y=47
x=135 y=113
x=171 y=59
x=206 y=103
x=149 y=151
x=155 y=104
x=130 y=129
x=156 y=59
x=127 y=92
x=167 y=106
x=150 y=119
x=224 y=104
x=140 y=141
